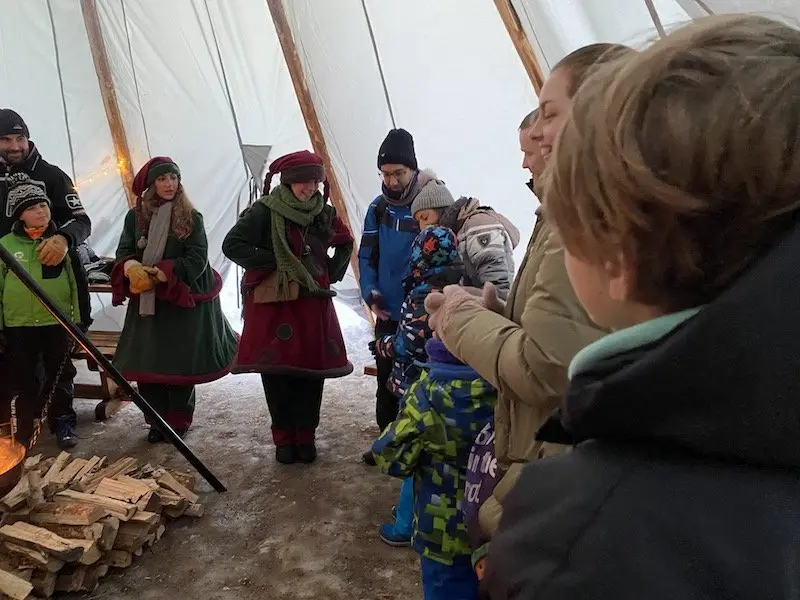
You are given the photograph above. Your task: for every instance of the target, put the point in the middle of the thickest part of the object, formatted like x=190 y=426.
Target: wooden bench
x=106 y=342
x=371 y=370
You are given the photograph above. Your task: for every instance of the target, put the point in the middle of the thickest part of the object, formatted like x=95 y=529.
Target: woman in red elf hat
x=175 y=335
x=291 y=334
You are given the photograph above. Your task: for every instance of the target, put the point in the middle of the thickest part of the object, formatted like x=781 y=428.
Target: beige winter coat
x=524 y=353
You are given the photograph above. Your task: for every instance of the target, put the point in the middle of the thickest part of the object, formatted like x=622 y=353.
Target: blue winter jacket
x=383 y=255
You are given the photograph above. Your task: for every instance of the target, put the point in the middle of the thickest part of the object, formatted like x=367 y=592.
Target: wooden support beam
x=521 y=42
x=313 y=125
x=108 y=91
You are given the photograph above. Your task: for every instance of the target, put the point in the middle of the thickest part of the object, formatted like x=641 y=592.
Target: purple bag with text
x=482 y=477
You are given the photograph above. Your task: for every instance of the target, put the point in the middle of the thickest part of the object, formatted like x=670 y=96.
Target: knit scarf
x=284 y=206
x=155 y=243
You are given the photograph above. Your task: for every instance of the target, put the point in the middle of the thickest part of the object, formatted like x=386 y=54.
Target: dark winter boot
x=306 y=453
x=285 y=454
x=155 y=436
x=305 y=446
x=65 y=432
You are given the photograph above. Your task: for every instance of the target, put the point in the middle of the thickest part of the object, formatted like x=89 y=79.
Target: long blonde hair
x=182 y=209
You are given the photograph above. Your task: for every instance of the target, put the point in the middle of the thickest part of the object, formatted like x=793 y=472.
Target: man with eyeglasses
x=389 y=230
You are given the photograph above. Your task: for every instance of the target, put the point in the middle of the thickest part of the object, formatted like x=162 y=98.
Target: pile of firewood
x=68 y=521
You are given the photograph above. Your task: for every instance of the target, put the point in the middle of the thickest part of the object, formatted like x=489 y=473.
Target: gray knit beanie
x=433 y=195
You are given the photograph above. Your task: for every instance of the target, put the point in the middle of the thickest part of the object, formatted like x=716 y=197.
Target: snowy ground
x=280 y=532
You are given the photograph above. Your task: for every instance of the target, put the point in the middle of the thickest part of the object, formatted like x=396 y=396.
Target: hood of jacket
x=720 y=382
x=468 y=212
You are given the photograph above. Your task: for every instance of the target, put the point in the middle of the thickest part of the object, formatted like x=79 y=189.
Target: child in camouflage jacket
x=443 y=413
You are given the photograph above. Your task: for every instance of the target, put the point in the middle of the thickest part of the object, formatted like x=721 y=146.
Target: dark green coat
x=188 y=340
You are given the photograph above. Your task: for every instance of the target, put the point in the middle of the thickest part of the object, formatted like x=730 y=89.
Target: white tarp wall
x=69 y=126
x=173 y=95
x=454 y=81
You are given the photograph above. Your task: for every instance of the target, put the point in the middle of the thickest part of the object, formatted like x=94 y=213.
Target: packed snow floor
x=280 y=532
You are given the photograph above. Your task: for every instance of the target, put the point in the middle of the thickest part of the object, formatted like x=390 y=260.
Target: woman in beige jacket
x=523 y=347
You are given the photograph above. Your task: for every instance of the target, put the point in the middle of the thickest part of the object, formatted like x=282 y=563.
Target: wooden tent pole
x=521 y=42
x=310 y=113
x=102 y=68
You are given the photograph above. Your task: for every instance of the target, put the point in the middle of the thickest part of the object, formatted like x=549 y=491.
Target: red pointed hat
x=151 y=170
x=297 y=167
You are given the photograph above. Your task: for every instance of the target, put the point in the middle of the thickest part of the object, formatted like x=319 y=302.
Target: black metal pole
x=110 y=370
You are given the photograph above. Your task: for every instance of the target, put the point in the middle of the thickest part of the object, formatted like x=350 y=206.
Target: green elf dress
x=175 y=336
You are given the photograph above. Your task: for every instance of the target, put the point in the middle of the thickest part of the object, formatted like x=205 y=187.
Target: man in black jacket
x=19 y=155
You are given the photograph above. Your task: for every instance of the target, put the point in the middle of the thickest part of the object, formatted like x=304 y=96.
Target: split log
x=14 y=587
x=19 y=495
x=188 y=480
x=165 y=479
x=194 y=510
x=130 y=543
x=70 y=472
x=44 y=583
x=91 y=464
x=90 y=482
x=118 y=558
x=26 y=558
x=32 y=462
x=71 y=580
x=122 y=510
x=59 y=463
x=41 y=539
x=67 y=513
x=91 y=553
x=110 y=531
x=77 y=532
x=150 y=502
x=126 y=490
x=173 y=504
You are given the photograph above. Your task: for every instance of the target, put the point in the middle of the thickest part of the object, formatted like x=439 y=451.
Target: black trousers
x=386 y=403
x=32 y=359
x=294 y=404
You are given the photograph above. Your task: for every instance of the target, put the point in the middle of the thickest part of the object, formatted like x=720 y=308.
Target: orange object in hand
x=139 y=278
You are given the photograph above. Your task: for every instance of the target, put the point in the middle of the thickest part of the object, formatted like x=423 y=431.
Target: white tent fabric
x=453 y=79
x=198 y=79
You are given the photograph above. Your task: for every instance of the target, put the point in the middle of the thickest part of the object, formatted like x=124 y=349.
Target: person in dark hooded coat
x=684 y=481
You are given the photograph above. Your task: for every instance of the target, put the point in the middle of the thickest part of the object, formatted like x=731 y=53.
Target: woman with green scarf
x=291 y=333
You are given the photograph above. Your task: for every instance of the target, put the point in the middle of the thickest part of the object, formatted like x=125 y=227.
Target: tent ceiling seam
x=380 y=64
x=63 y=95
x=135 y=78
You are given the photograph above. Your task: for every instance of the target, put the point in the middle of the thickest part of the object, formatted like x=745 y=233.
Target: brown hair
x=692 y=169
x=583 y=61
x=529 y=119
x=182 y=209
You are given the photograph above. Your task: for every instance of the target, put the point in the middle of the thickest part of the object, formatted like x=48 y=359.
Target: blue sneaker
x=65 y=433
x=391 y=536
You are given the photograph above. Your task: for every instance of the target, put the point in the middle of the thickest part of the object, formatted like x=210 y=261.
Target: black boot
x=369 y=458
x=285 y=454
x=307 y=453
x=155 y=436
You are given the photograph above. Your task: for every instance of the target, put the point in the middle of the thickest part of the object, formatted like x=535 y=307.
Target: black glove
x=372 y=348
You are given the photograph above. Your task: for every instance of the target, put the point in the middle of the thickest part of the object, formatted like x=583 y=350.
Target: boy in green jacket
x=29 y=334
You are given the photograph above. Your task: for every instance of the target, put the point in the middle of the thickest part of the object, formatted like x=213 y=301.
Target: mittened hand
x=53 y=250
x=372 y=349
x=156 y=274
x=139 y=278
x=491 y=300
x=442 y=306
